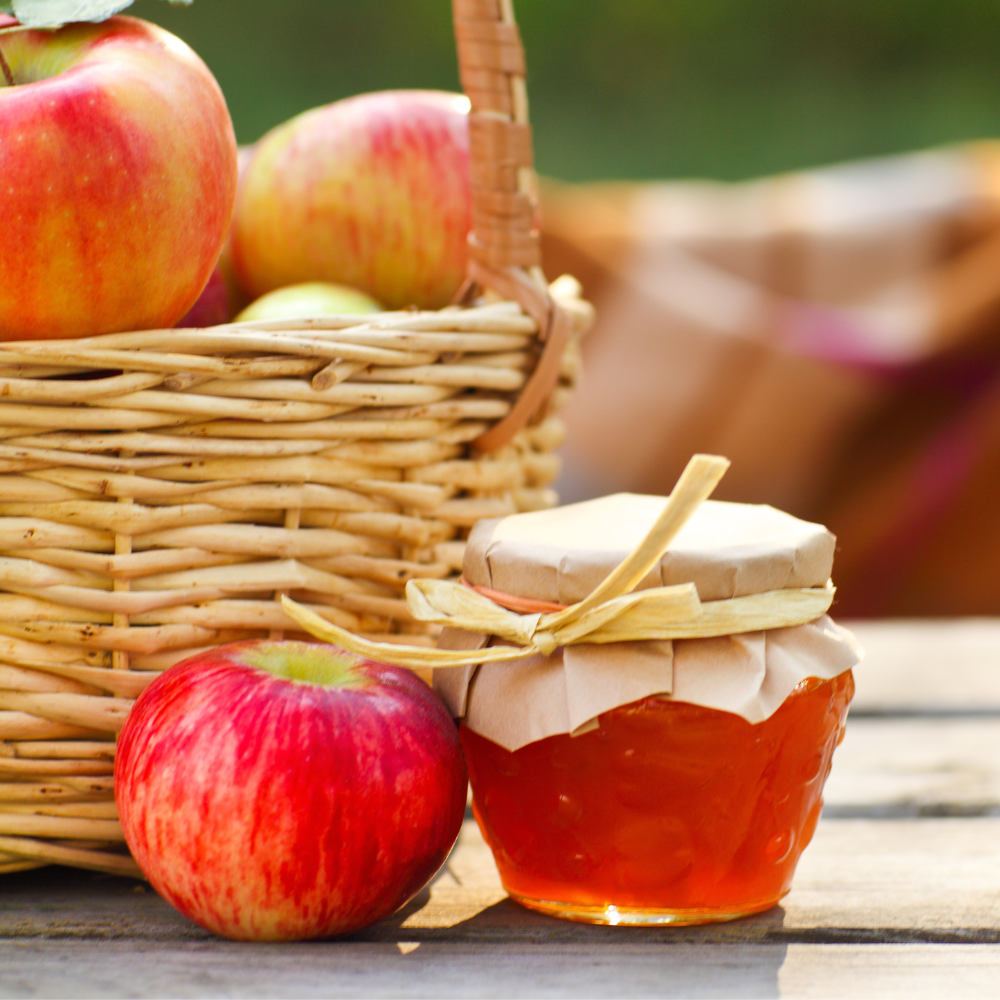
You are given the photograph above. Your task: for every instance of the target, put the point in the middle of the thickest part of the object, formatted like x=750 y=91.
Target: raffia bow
x=610 y=613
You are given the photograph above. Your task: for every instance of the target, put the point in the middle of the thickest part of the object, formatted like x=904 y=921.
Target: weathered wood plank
x=880 y=907
x=886 y=908
x=446 y=969
x=928 y=665
x=867 y=880
x=916 y=767
x=903 y=971
x=861 y=881
x=922 y=879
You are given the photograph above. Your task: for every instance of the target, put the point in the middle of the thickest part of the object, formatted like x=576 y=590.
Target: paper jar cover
x=726 y=550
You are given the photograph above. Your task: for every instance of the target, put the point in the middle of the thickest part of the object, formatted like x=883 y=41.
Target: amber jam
x=666 y=813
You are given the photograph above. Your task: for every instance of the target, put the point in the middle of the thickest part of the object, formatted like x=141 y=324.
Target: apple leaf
x=55 y=13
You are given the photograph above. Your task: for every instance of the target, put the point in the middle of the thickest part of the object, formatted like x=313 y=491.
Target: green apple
x=313 y=298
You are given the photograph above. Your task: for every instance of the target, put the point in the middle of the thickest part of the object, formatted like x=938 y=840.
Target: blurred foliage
x=639 y=88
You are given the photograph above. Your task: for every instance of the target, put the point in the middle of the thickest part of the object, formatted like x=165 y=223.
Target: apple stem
x=5 y=66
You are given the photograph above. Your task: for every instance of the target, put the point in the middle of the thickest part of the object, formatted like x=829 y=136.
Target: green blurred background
x=639 y=88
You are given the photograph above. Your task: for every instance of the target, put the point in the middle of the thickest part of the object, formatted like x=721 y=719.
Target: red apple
x=237 y=296
x=370 y=192
x=117 y=179
x=277 y=791
x=211 y=307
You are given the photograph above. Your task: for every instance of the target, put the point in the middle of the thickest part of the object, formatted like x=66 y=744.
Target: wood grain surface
x=905 y=767
x=898 y=895
x=928 y=667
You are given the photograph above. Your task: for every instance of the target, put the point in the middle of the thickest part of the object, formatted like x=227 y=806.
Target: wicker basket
x=155 y=501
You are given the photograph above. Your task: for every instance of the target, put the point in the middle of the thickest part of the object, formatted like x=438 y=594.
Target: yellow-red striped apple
x=117 y=179
x=371 y=192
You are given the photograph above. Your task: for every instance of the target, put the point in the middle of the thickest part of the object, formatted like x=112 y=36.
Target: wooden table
x=899 y=894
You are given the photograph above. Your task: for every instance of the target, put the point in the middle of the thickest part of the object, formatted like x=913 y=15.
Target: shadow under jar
x=667 y=813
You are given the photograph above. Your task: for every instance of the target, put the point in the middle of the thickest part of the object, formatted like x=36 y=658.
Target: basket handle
x=504 y=244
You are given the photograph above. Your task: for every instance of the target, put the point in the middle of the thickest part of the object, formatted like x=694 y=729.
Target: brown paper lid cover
x=725 y=549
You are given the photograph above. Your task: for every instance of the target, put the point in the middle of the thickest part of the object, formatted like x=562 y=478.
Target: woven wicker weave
x=159 y=488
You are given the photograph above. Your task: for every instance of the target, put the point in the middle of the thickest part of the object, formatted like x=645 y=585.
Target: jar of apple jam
x=665 y=813
x=654 y=780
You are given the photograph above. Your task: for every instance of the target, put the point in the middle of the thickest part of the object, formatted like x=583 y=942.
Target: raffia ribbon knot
x=610 y=613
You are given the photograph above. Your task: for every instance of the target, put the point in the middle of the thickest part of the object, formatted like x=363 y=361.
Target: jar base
x=639 y=916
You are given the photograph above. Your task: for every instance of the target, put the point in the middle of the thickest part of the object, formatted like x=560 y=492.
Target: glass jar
x=666 y=813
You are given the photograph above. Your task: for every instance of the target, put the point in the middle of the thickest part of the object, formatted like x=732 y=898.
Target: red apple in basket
x=371 y=192
x=211 y=307
x=276 y=790
x=237 y=296
x=117 y=179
